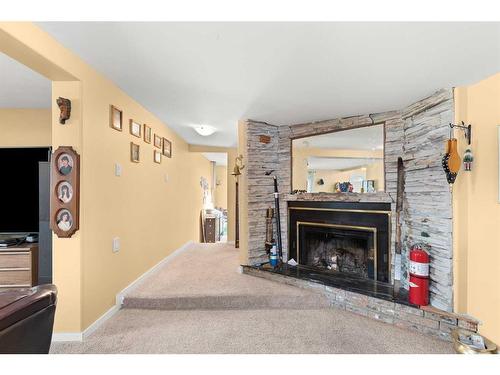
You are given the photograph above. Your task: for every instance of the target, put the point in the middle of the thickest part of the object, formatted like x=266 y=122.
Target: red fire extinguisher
x=419 y=276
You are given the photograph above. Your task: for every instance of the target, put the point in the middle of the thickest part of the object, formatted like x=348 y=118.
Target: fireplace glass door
x=338 y=248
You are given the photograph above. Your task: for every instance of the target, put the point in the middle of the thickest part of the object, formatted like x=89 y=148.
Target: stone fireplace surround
x=416 y=134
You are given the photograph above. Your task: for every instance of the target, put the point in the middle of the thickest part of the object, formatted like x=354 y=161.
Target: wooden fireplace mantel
x=380 y=197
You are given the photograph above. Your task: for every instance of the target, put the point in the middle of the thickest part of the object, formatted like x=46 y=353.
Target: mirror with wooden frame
x=349 y=160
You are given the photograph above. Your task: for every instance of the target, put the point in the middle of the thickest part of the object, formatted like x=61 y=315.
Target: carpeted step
x=228 y=302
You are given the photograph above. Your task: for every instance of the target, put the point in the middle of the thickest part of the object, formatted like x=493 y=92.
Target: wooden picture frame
x=147 y=134
x=135 y=153
x=157 y=156
x=65 y=192
x=115 y=118
x=167 y=148
x=157 y=141
x=135 y=128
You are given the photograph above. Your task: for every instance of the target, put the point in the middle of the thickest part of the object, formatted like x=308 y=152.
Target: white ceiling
x=337 y=164
x=366 y=138
x=282 y=73
x=21 y=87
x=220 y=158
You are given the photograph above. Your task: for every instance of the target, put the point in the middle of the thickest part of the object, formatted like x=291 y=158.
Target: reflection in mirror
x=344 y=161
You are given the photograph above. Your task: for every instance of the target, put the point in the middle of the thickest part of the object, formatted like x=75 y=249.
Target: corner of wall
x=460 y=214
x=231 y=194
x=243 y=193
x=66 y=252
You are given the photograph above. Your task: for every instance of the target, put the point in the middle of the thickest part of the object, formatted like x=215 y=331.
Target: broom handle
x=278 y=221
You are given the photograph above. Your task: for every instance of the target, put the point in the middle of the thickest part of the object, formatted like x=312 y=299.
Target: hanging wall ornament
x=454 y=160
x=451 y=161
x=468 y=159
x=450 y=177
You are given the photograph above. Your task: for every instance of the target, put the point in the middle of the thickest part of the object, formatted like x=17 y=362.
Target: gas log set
x=340 y=255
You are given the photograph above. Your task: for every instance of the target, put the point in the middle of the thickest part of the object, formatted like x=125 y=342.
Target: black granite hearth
x=344 y=281
x=366 y=297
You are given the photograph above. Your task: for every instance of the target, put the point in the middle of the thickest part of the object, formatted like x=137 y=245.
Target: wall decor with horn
x=451 y=159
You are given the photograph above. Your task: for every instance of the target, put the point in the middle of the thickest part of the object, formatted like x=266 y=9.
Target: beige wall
x=25 y=127
x=221 y=186
x=152 y=217
x=476 y=208
x=331 y=177
x=67 y=262
x=375 y=171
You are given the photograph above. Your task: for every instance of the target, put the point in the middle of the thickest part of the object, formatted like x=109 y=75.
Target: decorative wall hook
x=451 y=159
x=467 y=130
x=238 y=166
x=265 y=138
x=65 y=108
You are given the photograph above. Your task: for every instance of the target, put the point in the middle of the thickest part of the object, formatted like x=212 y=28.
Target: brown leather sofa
x=27 y=319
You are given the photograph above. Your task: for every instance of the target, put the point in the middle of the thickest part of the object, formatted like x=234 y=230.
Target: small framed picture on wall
x=147 y=134
x=157 y=156
x=65 y=164
x=167 y=148
x=157 y=141
x=115 y=118
x=135 y=128
x=134 y=152
x=64 y=192
x=64 y=220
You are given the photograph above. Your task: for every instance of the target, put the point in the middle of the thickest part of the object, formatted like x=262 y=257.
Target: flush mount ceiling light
x=204 y=130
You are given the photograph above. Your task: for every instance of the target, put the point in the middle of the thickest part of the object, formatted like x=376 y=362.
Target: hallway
x=198 y=302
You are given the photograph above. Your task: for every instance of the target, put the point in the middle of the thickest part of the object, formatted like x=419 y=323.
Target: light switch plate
x=116 y=244
x=118 y=169
x=165 y=178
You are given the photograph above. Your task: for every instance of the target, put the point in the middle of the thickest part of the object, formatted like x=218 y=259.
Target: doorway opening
x=25 y=149
x=215 y=217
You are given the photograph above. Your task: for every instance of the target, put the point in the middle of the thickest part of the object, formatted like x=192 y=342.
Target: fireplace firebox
x=342 y=238
x=338 y=248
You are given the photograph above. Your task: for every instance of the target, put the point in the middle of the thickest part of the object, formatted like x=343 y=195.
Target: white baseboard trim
x=108 y=314
x=80 y=336
x=134 y=284
x=67 y=336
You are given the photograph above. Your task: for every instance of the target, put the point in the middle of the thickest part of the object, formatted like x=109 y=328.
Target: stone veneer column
x=285 y=181
x=261 y=157
x=428 y=216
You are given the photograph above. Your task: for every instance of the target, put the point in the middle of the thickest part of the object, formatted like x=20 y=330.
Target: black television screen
x=19 y=188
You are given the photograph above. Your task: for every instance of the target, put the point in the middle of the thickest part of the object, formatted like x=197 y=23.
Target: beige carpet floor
x=205 y=276
x=199 y=303
x=250 y=331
